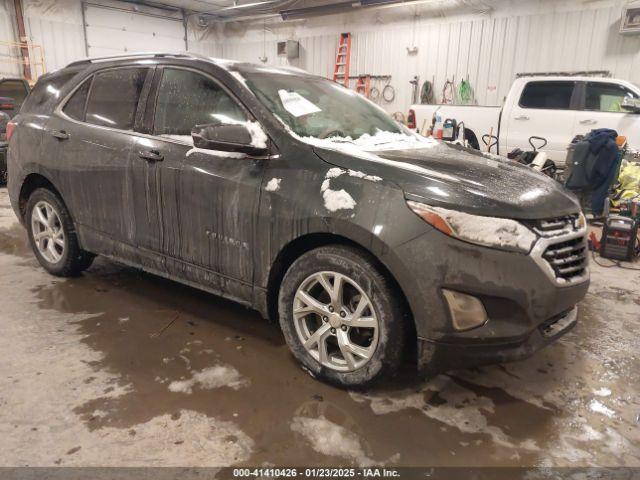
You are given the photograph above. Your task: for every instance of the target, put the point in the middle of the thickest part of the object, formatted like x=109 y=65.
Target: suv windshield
x=316 y=107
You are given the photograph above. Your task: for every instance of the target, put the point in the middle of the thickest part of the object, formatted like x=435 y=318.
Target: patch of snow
x=273 y=185
x=331 y=439
x=598 y=407
x=489 y=231
x=334 y=172
x=381 y=141
x=602 y=392
x=259 y=139
x=325 y=185
x=335 y=200
x=210 y=378
x=358 y=174
x=123 y=320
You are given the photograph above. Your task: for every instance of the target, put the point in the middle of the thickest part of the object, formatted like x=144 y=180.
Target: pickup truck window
x=315 y=107
x=606 y=97
x=551 y=95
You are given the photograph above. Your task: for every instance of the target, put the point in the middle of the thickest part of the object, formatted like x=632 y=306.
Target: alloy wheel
x=47 y=231
x=335 y=321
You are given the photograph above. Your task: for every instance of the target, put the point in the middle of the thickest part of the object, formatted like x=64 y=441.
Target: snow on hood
x=366 y=143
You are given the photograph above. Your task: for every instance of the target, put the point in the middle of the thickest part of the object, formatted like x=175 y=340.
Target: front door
x=545 y=109
x=209 y=199
x=93 y=131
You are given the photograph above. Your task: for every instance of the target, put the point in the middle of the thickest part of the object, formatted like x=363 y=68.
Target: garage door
x=112 y=31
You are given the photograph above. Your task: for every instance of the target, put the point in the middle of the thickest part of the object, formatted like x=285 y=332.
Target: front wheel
x=341 y=317
x=52 y=235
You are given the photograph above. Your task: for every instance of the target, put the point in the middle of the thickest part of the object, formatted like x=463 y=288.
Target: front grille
x=568 y=259
x=554 y=227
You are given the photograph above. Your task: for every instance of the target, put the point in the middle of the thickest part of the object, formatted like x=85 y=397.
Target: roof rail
x=132 y=56
x=584 y=73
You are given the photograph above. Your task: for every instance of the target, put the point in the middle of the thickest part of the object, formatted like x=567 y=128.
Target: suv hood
x=454 y=177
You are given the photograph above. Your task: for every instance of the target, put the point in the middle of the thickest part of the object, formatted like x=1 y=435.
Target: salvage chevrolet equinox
x=299 y=198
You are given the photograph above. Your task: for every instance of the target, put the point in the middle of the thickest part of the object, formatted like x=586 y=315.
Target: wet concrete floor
x=118 y=367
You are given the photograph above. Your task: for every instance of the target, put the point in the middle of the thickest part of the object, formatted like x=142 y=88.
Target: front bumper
x=436 y=357
x=521 y=294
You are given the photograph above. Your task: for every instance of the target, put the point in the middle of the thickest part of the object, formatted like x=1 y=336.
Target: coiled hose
x=465 y=92
x=426 y=93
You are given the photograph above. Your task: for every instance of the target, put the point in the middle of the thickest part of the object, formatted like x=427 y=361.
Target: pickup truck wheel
x=340 y=317
x=52 y=235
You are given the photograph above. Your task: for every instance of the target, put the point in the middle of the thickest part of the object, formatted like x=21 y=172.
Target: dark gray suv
x=298 y=197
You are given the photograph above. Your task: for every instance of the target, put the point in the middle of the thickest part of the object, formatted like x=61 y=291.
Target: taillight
x=411 y=119
x=10 y=128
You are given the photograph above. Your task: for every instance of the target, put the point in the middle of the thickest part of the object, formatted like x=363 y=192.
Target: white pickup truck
x=556 y=108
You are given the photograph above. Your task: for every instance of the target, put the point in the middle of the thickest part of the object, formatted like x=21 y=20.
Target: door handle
x=522 y=117
x=588 y=122
x=151 y=155
x=60 y=134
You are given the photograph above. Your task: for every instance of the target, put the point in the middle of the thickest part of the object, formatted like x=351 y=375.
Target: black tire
x=74 y=260
x=359 y=267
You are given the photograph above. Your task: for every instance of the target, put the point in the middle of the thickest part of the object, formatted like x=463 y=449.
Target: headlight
x=486 y=231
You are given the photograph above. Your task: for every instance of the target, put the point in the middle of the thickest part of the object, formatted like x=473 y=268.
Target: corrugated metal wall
x=535 y=35
x=489 y=51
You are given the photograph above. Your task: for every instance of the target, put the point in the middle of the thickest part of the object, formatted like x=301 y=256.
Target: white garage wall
x=488 y=49
x=58 y=26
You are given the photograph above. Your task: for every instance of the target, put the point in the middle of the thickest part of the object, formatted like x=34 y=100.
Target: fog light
x=467 y=312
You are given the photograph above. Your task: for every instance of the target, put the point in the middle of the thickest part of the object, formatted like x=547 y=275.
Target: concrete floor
x=118 y=367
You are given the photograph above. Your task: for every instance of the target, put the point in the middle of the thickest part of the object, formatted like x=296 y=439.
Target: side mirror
x=228 y=137
x=631 y=104
x=7 y=103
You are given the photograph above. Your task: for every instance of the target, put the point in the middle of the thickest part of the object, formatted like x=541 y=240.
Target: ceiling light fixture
x=247 y=5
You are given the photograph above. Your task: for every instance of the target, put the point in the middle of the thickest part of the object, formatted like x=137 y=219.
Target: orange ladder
x=363 y=86
x=343 y=58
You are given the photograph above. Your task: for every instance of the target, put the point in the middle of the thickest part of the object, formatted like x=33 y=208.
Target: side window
x=547 y=95
x=187 y=98
x=606 y=97
x=114 y=97
x=75 y=106
x=15 y=89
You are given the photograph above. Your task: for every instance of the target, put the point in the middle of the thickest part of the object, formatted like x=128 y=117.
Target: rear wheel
x=52 y=235
x=340 y=317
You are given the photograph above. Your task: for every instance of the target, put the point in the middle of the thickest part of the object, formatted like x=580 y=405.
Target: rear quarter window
x=46 y=93
x=551 y=95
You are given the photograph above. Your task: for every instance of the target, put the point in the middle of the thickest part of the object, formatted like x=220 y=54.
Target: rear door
x=602 y=108
x=92 y=135
x=546 y=108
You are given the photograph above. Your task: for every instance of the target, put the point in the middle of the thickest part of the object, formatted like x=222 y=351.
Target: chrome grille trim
x=563 y=257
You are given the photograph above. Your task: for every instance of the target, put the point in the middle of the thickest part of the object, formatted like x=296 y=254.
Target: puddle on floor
x=174 y=349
